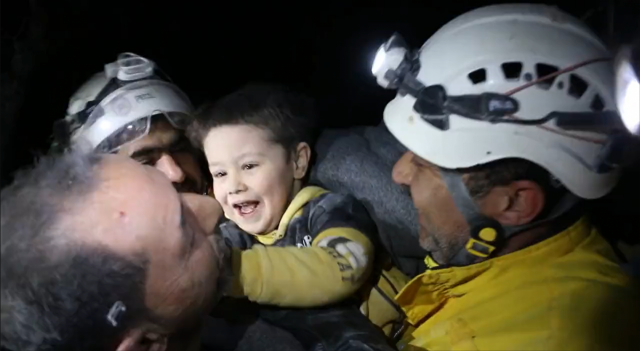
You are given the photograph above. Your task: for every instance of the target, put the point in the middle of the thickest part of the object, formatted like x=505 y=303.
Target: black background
x=49 y=48
x=209 y=48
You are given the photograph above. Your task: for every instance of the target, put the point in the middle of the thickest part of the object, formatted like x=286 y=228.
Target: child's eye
x=218 y=174
x=249 y=166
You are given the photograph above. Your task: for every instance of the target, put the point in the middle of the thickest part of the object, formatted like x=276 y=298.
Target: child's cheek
x=227 y=212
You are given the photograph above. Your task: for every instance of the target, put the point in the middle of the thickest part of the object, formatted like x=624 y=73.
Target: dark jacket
x=359 y=161
x=337 y=327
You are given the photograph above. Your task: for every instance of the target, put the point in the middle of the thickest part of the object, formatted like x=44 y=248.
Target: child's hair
x=288 y=116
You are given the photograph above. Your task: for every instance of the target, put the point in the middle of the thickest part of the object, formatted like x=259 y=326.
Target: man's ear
x=515 y=204
x=140 y=340
x=301 y=158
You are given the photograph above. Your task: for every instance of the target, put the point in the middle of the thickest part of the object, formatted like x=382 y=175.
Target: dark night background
x=49 y=48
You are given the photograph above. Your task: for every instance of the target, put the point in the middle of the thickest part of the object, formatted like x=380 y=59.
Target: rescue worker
x=509 y=116
x=132 y=108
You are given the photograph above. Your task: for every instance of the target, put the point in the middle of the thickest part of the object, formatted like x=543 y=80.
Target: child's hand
x=207 y=210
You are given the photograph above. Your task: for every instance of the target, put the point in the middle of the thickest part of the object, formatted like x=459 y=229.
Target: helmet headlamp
x=628 y=89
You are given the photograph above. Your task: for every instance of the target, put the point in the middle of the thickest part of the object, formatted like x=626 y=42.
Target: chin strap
x=487 y=234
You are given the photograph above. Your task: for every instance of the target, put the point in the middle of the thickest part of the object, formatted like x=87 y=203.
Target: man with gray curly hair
x=100 y=252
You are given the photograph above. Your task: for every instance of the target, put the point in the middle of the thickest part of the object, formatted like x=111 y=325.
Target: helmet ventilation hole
x=542 y=69
x=577 y=86
x=512 y=70
x=597 y=104
x=478 y=76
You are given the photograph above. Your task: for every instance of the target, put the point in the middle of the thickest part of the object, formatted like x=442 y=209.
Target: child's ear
x=301 y=158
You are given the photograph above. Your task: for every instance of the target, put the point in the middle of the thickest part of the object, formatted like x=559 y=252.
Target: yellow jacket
x=565 y=293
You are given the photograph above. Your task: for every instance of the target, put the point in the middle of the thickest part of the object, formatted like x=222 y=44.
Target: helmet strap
x=487 y=235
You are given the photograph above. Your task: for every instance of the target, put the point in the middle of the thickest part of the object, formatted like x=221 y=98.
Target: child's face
x=253 y=179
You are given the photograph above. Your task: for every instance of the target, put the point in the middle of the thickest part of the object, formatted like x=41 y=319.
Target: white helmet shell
x=477 y=52
x=86 y=93
x=129 y=102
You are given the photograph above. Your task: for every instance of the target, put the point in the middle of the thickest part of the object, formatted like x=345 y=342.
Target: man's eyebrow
x=144 y=151
x=150 y=149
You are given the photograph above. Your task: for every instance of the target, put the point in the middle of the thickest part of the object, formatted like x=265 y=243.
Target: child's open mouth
x=246 y=208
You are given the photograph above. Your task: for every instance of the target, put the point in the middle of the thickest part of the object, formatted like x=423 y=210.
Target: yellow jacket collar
x=295 y=209
x=428 y=291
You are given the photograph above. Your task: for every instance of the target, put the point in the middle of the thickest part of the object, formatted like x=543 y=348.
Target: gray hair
x=56 y=292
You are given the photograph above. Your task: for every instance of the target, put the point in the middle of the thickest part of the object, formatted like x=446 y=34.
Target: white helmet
x=115 y=107
x=506 y=49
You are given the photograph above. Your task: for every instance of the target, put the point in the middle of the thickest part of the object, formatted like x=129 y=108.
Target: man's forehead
x=421 y=161
x=133 y=201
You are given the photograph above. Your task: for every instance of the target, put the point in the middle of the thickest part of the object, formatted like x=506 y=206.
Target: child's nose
x=236 y=185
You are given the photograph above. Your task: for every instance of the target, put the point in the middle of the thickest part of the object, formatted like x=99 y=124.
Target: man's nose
x=167 y=165
x=403 y=169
